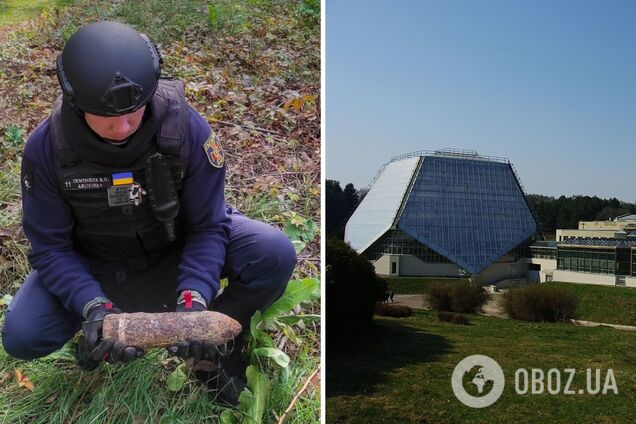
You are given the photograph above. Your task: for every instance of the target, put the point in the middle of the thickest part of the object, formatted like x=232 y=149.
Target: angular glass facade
x=377 y=211
x=471 y=211
x=396 y=242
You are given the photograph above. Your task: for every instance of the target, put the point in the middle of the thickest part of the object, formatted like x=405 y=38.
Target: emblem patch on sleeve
x=26 y=177
x=27 y=181
x=213 y=151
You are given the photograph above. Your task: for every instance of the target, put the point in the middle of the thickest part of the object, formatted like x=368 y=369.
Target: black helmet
x=108 y=69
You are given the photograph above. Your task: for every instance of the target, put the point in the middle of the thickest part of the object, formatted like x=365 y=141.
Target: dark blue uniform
x=257 y=259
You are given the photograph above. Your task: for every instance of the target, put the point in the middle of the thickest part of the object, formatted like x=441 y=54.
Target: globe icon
x=478 y=381
x=478 y=377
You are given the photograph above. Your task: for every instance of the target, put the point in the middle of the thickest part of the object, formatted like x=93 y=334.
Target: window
x=588 y=259
x=397 y=242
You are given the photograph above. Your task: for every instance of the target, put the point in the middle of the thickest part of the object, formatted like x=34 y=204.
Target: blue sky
x=549 y=84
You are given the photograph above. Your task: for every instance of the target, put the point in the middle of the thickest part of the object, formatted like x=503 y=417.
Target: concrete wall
x=547 y=268
x=584 y=277
x=603 y=225
x=563 y=234
x=383 y=265
x=411 y=266
x=503 y=271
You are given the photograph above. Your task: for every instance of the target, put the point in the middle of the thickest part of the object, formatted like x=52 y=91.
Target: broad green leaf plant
x=262 y=349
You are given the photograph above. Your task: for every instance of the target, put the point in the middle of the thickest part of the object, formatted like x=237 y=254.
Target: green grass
x=414 y=285
x=401 y=371
x=16 y=11
x=612 y=305
x=135 y=392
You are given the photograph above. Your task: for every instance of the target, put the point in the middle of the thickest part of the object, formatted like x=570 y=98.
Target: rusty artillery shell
x=146 y=330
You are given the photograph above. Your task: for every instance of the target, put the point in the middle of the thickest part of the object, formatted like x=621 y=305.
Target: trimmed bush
x=352 y=289
x=452 y=317
x=396 y=311
x=457 y=296
x=540 y=303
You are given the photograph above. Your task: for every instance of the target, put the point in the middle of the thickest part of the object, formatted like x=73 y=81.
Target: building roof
x=377 y=211
x=468 y=208
x=591 y=242
x=552 y=244
x=598 y=242
x=627 y=217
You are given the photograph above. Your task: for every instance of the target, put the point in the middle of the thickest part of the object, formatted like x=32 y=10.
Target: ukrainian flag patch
x=122 y=178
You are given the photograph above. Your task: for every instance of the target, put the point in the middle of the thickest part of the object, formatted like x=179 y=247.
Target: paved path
x=598 y=324
x=418 y=301
x=415 y=301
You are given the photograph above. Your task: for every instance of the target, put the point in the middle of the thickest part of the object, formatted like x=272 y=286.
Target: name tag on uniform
x=86 y=183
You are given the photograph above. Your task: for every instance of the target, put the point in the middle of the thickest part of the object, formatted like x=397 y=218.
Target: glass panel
x=375 y=214
x=399 y=243
x=470 y=211
x=600 y=261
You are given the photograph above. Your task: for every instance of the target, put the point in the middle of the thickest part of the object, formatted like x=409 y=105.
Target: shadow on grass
x=357 y=365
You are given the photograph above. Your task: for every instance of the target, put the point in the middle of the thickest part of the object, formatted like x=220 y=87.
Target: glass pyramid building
x=445 y=206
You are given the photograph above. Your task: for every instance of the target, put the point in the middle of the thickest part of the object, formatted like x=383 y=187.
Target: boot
x=226 y=376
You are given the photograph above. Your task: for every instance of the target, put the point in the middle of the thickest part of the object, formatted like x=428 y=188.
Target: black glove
x=192 y=301
x=93 y=349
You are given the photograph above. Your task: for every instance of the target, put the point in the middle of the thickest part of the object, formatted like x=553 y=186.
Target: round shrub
x=395 y=311
x=540 y=302
x=457 y=296
x=352 y=289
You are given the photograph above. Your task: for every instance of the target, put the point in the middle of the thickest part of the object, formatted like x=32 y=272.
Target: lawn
x=16 y=11
x=401 y=371
x=613 y=305
x=252 y=70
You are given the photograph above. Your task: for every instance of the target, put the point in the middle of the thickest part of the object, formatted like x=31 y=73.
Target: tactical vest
x=124 y=198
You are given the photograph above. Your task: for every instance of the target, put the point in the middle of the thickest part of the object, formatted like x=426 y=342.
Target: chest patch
x=213 y=151
x=122 y=178
x=125 y=194
x=86 y=183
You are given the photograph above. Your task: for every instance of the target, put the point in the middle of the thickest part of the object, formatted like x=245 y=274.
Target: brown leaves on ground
x=258 y=87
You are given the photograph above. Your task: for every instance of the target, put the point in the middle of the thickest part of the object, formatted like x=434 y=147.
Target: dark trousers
x=259 y=261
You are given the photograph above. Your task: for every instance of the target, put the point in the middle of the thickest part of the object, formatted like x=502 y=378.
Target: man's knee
x=20 y=340
x=36 y=323
x=279 y=254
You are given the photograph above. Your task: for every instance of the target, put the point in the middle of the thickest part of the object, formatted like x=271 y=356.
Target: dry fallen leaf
x=23 y=380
